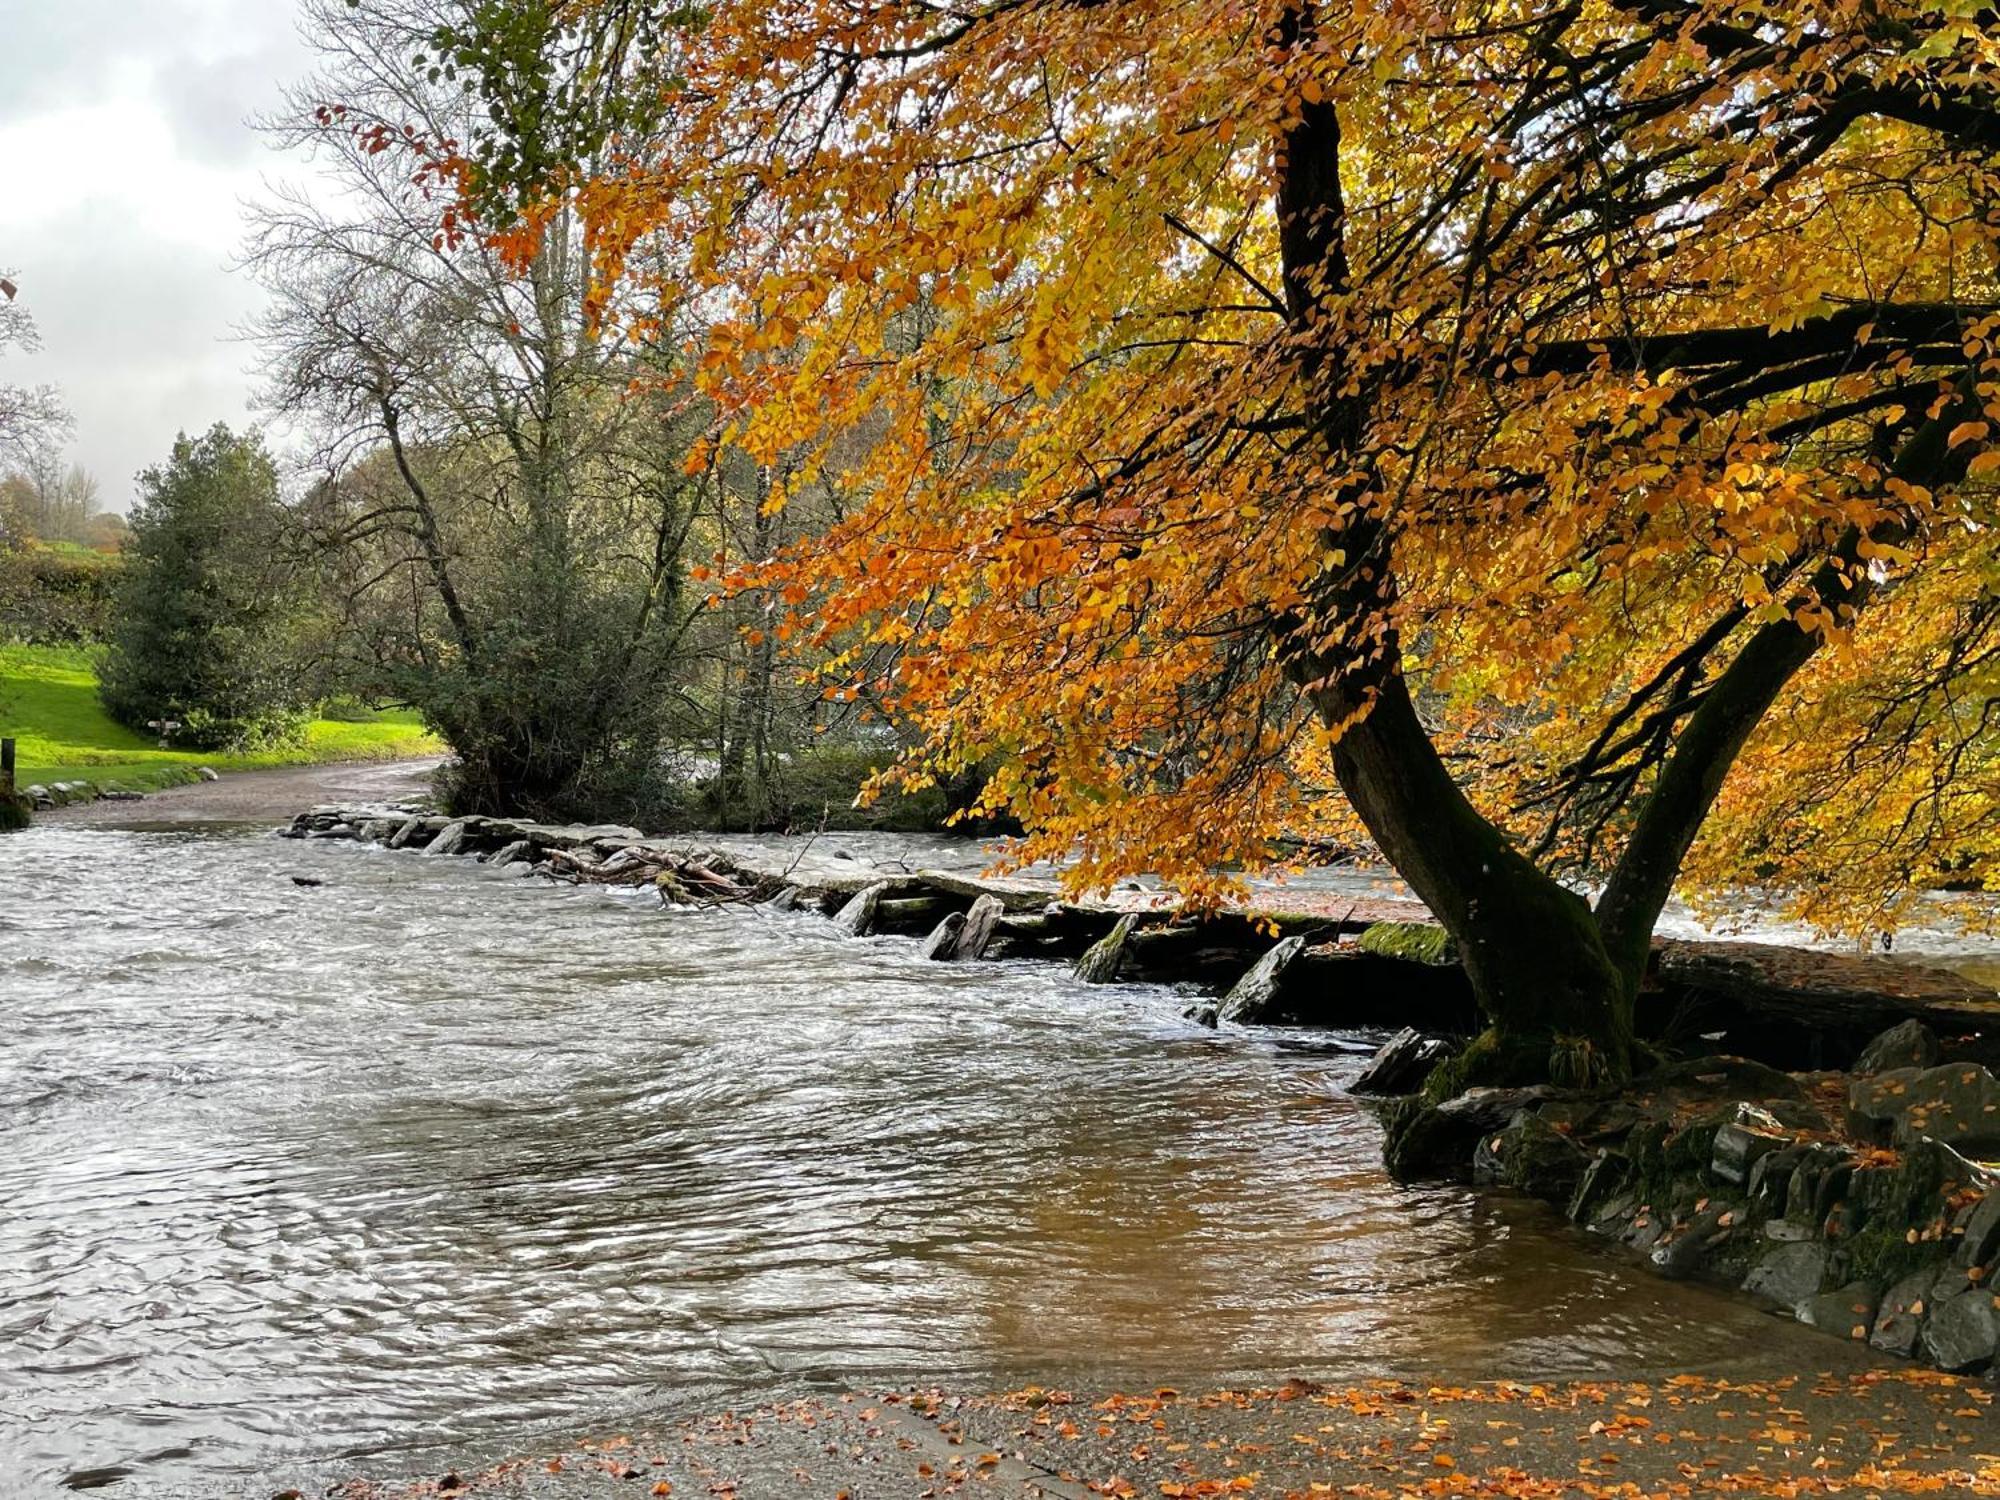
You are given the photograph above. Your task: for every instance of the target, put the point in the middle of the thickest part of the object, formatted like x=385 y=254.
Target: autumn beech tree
x=1557 y=438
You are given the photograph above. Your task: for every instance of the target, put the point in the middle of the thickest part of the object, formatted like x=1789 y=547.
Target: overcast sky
x=124 y=161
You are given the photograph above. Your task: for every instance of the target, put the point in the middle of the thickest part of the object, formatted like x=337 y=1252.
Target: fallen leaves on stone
x=1884 y=1433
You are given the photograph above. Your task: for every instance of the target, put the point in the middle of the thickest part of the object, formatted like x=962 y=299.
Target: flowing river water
x=426 y=1158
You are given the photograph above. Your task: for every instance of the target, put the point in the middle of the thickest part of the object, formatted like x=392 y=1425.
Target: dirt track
x=255 y=796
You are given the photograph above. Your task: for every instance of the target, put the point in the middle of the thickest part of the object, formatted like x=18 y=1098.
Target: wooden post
x=6 y=768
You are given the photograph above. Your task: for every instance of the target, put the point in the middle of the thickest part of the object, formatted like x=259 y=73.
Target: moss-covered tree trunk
x=1558 y=1004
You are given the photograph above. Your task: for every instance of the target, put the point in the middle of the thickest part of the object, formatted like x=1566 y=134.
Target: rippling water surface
x=427 y=1155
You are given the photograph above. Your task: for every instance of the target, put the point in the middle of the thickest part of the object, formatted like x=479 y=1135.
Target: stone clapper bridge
x=1832 y=1162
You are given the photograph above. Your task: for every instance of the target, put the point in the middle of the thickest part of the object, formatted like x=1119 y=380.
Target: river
x=425 y=1158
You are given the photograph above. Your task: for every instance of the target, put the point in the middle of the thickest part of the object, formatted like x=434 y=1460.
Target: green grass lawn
x=49 y=705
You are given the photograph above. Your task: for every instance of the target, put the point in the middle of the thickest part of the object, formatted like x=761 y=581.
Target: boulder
x=858 y=915
x=1789 y=1274
x=1605 y=1177
x=1686 y=1248
x=1254 y=998
x=1963 y=1332
x=1531 y=1154
x=1741 y=1142
x=1020 y=896
x=512 y=854
x=1982 y=1233
x=1427 y=1140
x=206 y=773
x=401 y=838
x=1908 y=1044
x=981 y=921
x=786 y=900
x=1900 y=1319
x=1203 y=1013
x=378 y=830
x=1594 y=1121
x=1769 y=1177
x=1958 y=1104
x=943 y=940
x=575 y=836
x=39 y=795
x=1100 y=964
x=1402 y=1064
x=451 y=838
x=1817 y=1179
x=1927 y=1190
x=1846 y=1314
x=1489 y=1109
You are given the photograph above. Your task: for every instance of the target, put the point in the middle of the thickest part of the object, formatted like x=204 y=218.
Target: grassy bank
x=49 y=705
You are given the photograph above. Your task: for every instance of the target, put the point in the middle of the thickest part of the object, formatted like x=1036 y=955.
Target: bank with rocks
x=1864 y=1202
x=48 y=796
x=1823 y=1135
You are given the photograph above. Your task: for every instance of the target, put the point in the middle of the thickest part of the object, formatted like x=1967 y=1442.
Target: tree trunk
x=1558 y=981
x=1530 y=947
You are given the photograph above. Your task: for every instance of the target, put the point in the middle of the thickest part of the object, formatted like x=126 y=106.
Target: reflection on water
x=431 y=1155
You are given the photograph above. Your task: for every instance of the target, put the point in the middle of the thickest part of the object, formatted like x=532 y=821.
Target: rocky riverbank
x=1841 y=1177
x=48 y=796
x=1864 y=1202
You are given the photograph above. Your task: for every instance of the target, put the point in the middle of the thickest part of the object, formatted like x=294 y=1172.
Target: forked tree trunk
x=1558 y=981
x=1531 y=948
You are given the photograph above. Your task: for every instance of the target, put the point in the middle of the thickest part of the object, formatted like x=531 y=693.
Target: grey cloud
x=138 y=331
x=57 y=52
x=210 y=103
x=210 y=62
x=138 y=325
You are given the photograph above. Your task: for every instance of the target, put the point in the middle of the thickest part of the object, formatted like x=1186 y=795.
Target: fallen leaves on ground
x=1868 y=1432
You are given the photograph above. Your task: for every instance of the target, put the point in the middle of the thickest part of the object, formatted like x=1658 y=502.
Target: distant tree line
x=507 y=503
x=46 y=500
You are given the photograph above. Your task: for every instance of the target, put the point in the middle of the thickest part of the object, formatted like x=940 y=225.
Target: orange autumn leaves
x=1883 y=1432
x=1878 y=1432
x=1006 y=284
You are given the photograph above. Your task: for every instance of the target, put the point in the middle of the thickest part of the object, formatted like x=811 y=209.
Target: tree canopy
x=1566 y=429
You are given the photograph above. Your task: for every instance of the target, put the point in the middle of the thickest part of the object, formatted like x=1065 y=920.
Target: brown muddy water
x=426 y=1158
